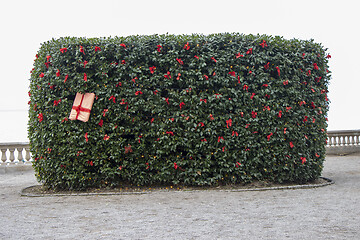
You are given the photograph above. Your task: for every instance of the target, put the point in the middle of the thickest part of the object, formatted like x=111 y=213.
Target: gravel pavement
x=330 y=212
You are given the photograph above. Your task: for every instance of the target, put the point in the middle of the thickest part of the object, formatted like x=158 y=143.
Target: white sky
x=25 y=24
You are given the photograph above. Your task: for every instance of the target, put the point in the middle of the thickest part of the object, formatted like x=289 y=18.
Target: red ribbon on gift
x=82 y=106
x=79 y=108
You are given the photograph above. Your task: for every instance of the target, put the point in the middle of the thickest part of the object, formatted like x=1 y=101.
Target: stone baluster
x=351 y=140
x=333 y=141
x=342 y=141
x=348 y=140
x=20 y=156
x=3 y=155
x=27 y=154
x=12 y=154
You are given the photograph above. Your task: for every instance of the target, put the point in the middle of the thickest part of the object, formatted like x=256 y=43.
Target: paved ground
x=330 y=212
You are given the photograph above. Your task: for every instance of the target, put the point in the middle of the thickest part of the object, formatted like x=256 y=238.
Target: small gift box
x=82 y=106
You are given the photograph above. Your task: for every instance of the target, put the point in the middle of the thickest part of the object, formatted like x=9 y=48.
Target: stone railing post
x=3 y=155
x=27 y=154
x=12 y=154
x=20 y=156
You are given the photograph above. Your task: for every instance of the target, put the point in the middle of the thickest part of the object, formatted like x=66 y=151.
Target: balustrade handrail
x=14 y=144
x=343 y=132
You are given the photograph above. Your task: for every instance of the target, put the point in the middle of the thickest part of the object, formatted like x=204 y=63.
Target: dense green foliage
x=191 y=109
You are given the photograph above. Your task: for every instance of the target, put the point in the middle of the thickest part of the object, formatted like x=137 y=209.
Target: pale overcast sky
x=25 y=24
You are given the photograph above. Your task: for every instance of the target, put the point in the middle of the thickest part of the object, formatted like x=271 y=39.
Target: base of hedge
x=40 y=191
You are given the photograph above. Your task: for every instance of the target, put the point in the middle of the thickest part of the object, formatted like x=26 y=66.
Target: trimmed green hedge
x=189 y=109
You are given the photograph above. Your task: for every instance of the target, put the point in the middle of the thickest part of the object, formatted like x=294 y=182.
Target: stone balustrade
x=343 y=142
x=14 y=153
x=339 y=142
x=343 y=138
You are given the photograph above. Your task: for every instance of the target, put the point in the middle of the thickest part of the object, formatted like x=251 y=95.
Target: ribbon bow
x=182 y=104
x=201 y=124
x=228 y=123
x=82 y=50
x=113 y=99
x=263 y=44
x=232 y=73
x=128 y=149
